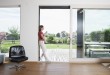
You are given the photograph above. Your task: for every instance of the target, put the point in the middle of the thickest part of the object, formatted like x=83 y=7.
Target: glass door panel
x=56 y=28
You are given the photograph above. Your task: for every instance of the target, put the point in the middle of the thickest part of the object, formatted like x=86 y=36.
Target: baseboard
x=77 y=60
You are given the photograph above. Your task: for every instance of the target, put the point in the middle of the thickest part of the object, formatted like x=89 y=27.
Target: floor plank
x=55 y=69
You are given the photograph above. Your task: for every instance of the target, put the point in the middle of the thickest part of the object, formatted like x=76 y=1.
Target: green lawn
x=7 y=43
x=59 y=46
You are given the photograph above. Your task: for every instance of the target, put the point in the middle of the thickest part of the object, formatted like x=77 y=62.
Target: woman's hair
x=41 y=26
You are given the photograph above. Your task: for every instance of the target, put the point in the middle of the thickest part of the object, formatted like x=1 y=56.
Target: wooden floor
x=56 y=69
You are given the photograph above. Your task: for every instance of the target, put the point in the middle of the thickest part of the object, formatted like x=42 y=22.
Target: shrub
x=4 y=50
x=51 y=39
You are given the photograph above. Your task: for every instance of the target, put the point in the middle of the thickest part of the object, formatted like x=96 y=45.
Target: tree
x=14 y=34
x=58 y=35
x=65 y=40
x=51 y=39
x=97 y=36
x=63 y=34
x=93 y=34
x=107 y=35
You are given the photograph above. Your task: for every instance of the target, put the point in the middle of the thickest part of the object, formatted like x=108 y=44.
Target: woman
x=42 y=42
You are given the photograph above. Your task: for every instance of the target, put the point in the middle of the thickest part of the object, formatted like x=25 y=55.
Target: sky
x=57 y=20
x=9 y=17
x=96 y=20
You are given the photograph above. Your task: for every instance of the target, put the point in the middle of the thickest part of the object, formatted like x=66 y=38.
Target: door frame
x=87 y=6
x=50 y=7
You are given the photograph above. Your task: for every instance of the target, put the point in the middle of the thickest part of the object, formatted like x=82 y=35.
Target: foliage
x=100 y=35
x=14 y=34
x=51 y=39
x=63 y=34
x=61 y=38
x=58 y=35
x=107 y=35
x=4 y=50
x=97 y=36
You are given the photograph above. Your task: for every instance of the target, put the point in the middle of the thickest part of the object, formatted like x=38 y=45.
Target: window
x=97 y=32
x=9 y=28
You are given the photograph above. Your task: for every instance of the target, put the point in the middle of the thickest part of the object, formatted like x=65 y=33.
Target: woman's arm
x=42 y=36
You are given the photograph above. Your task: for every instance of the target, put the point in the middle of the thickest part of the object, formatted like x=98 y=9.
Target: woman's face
x=42 y=28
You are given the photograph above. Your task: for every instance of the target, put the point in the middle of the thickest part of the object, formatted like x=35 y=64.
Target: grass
x=59 y=46
x=6 y=45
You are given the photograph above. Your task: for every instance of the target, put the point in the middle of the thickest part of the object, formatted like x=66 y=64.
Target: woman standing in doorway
x=42 y=42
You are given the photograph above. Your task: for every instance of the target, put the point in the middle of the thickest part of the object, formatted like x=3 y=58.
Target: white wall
x=68 y=2
x=29 y=19
x=6 y=3
x=29 y=23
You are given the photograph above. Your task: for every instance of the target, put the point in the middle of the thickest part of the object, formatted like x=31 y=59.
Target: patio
x=59 y=55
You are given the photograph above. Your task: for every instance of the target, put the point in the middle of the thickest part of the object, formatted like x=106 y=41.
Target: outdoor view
x=9 y=28
x=97 y=33
x=57 y=31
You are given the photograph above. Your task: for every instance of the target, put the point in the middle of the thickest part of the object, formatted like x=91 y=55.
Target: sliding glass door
x=61 y=35
x=97 y=33
x=93 y=29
